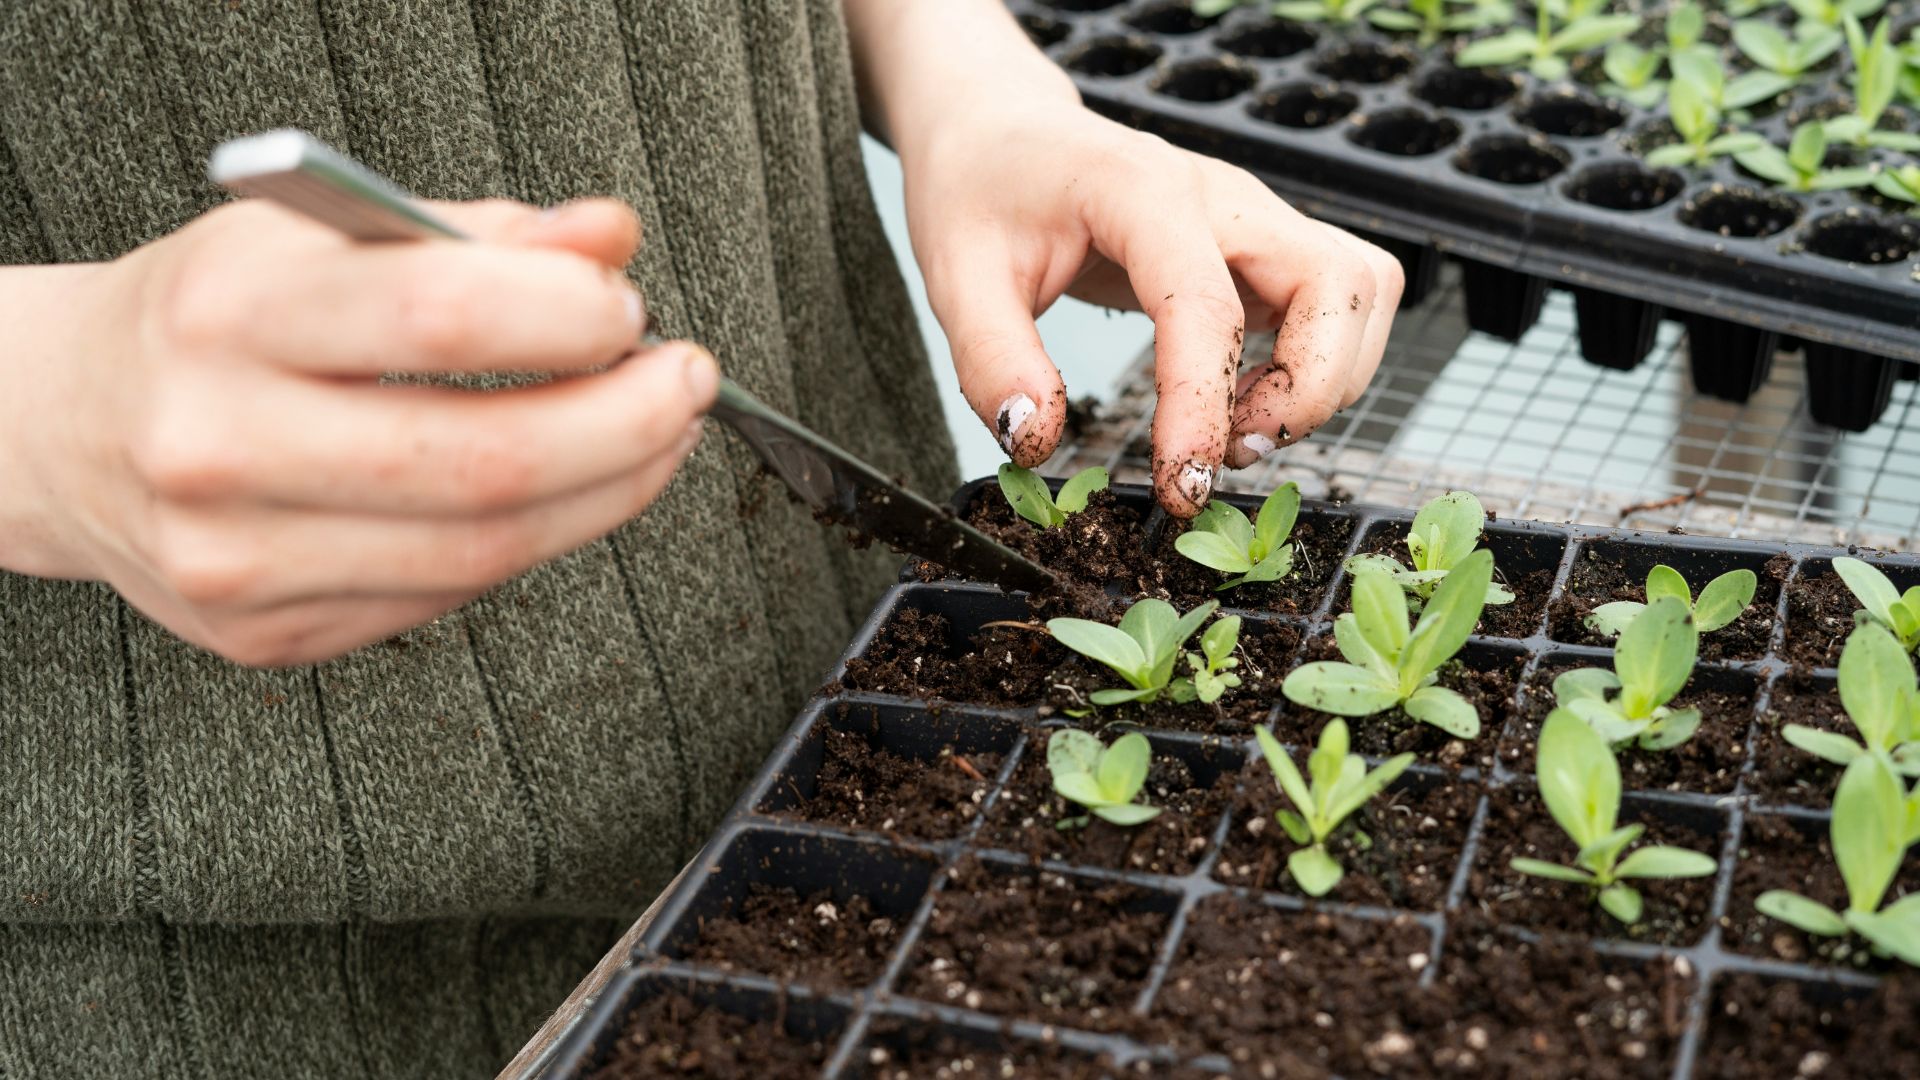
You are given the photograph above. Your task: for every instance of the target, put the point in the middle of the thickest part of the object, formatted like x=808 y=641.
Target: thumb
x=1003 y=368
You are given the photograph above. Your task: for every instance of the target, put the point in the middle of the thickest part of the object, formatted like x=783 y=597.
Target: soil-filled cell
x=1609 y=571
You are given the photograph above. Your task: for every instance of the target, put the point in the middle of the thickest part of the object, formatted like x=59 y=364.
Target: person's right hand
x=206 y=429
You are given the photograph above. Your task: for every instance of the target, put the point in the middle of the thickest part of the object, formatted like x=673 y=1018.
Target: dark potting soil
x=914 y=656
x=1819 y=618
x=1594 y=582
x=1783 y=774
x=1024 y=818
x=1708 y=763
x=1760 y=1028
x=1414 y=833
x=861 y=786
x=814 y=939
x=1777 y=852
x=900 y=1051
x=671 y=1035
x=1266 y=654
x=1486 y=680
x=1530 y=588
x=1107 y=545
x=1518 y=826
x=1038 y=945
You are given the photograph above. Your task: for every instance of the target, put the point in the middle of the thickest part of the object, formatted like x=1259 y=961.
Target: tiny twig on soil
x=966 y=766
x=1014 y=624
x=1662 y=504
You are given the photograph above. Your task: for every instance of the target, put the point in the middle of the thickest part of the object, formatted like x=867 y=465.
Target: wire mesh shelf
x=1538 y=433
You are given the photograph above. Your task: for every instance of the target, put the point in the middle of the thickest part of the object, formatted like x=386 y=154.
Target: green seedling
x=1695 y=116
x=1027 y=493
x=1334 y=12
x=1651 y=663
x=1141 y=650
x=1104 y=779
x=1801 y=166
x=1815 y=14
x=1873 y=824
x=1700 y=69
x=1222 y=538
x=1561 y=28
x=1444 y=533
x=1882 y=601
x=1580 y=783
x=1432 y=19
x=1339 y=784
x=1213 y=665
x=1878 y=691
x=1740 y=9
x=1789 y=56
x=1901 y=184
x=1877 y=70
x=1386 y=665
x=1721 y=602
x=1633 y=72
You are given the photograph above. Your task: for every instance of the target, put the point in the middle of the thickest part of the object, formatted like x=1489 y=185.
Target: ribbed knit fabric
x=394 y=864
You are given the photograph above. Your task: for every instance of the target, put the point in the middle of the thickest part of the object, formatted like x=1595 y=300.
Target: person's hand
x=1011 y=206
x=204 y=426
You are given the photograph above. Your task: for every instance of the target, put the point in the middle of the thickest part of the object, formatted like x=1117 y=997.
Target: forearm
x=40 y=308
x=920 y=61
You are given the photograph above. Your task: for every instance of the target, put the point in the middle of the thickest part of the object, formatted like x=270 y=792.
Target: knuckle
x=491 y=551
x=201 y=570
x=184 y=462
x=494 y=470
x=437 y=313
x=1212 y=302
x=203 y=306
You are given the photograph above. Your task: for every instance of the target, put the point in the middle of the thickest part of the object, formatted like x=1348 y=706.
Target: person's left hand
x=1010 y=207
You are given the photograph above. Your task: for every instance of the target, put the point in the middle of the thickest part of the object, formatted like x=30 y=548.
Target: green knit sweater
x=394 y=864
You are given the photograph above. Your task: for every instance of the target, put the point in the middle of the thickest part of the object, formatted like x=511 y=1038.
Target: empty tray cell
x=1364 y=62
x=1045 y=32
x=1820 y=606
x=1763 y=1026
x=1793 y=852
x=932 y=642
x=1610 y=571
x=1525 y=560
x=1728 y=360
x=893 y=769
x=1615 y=331
x=1847 y=388
x=1624 y=185
x=1511 y=159
x=1501 y=302
x=1569 y=113
x=1191 y=781
x=1171 y=17
x=912 y=1048
x=1518 y=826
x=1485 y=673
x=1404 y=131
x=797 y=907
x=1856 y=236
x=1307 y=991
x=1205 y=80
x=654 y=1024
x=1271 y=39
x=1303 y=104
x=1738 y=211
x=1399 y=850
x=1055 y=947
x=1783 y=774
x=1111 y=57
x=1708 y=763
x=1466 y=89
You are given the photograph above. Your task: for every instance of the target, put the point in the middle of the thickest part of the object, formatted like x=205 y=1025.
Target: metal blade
x=302 y=173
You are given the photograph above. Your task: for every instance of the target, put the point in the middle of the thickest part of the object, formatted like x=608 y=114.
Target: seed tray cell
x=1457 y=960
x=1528 y=183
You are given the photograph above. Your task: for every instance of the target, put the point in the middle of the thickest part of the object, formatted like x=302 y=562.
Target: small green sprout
x=1883 y=602
x=1222 y=538
x=1878 y=691
x=1695 y=114
x=1801 y=166
x=1877 y=68
x=1027 y=493
x=1388 y=666
x=1651 y=663
x=1141 y=650
x=1816 y=14
x=1902 y=184
x=1721 y=602
x=1104 y=779
x=1788 y=56
x=1334 y=12
x=1434 y=18
x=1700 y=69
x=1545 y=48
x=1580 y=783
x=1632 y=74
x=1873 y=824
x=1340 y=785
x=1444 y=533
x=1213 y=665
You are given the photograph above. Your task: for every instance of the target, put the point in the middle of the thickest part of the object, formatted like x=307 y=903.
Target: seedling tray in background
x=1528 y=183
x=913 y=1003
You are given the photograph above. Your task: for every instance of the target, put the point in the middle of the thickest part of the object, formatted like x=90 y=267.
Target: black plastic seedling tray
x=1527 y=183
x=922 y=1004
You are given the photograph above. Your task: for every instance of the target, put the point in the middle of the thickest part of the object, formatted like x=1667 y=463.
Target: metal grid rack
x=1538 y=433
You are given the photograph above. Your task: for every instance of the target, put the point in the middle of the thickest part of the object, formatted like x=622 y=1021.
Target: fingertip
x=702 y=374
x=604 y=230
x=1248 y=449
x=1183 y=486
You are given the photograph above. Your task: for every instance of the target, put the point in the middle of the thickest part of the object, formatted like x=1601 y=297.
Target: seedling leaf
x=1795 y=910
x=1446 y=710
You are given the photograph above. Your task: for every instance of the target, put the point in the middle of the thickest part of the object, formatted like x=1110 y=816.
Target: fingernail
x=636 y=312
x=691 y=436
x=1257 y=444
x=703 y=377
x=1011 y=416
x=1196 y=482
